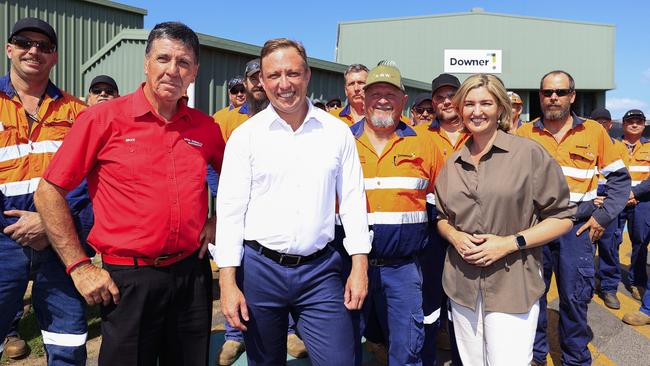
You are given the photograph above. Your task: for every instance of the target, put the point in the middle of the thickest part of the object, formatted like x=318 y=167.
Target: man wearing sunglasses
x=580 y=146
x=422 y=110
x=35 y=116
x=236 y=96
x=102 y=88
x=333 y=103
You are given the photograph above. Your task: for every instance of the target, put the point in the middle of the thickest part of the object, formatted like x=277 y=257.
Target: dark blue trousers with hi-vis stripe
x=312 y=293
x=60 y=310
x=571 y=258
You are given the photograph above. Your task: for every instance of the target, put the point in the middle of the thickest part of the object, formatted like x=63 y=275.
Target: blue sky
x=315 y=24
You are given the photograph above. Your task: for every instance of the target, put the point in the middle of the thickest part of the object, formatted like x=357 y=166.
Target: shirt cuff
x=228 y=257
x=358 y=246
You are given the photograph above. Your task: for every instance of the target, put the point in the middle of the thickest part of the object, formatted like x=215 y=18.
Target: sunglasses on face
x=26 y=44
x=559 y=92
x=441 y=98
x=421 y=110
x=334 y=105
x=237 y=90
x=98 y=91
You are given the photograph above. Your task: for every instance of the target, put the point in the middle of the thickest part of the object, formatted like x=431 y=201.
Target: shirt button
x=174 y=201
x=378 y=182
x=169 y=151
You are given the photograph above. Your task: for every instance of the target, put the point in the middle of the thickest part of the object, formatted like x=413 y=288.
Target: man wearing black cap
x=35 y=116
x=333 y=103
x=638 y=211
x=609 y=271
x=447 y=134
x=102 y=88
x=236 y=95
x=422 y=110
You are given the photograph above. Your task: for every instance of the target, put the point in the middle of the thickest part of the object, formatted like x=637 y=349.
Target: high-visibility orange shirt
x=397 y=182
x=25 y=154
x=585 y=150
x=638 y=162
x=229 y=120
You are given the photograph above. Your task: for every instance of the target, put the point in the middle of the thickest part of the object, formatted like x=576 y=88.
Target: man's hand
x=631 y=200
x=491 y=250
x=28 y=230
x=598 y=201
x=356 y=287
x=595 y=230
x=95 y=284
x=233 y=302
x=207 y=235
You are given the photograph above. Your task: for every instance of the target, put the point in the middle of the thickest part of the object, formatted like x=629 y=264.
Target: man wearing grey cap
x=102 y=88
x=35 y=116
x=422 y=110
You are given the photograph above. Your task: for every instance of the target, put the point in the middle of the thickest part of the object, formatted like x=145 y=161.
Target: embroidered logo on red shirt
x=193 y=142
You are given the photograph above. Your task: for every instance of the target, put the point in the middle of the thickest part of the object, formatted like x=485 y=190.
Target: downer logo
x=472 y=61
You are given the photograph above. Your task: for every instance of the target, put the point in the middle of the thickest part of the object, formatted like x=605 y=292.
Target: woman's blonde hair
x=494 y=86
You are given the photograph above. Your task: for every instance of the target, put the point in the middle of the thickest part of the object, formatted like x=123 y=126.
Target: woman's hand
x=491 y=250
x=464 y=242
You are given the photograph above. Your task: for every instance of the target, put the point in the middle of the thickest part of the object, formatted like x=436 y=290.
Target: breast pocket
x=583 y=158
x=136 y=163
x=55 y=130
x=9 y=149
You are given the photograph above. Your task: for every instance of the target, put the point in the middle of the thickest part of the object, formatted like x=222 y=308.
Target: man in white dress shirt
x=282 y=172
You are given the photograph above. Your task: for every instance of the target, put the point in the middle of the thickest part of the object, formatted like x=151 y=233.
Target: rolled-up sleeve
x=232 y=200
x=352 y=204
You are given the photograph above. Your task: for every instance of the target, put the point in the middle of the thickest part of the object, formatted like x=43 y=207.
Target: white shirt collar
x=276 y=120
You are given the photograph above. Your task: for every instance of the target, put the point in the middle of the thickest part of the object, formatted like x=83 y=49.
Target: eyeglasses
x=26 y=44
x=334 y=104
x=236 y=90
x=441 y=98
x=98 y=91
x=559 y=92
x=421 y=110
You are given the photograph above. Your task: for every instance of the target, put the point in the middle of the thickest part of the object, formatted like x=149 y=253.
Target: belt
x=281 y=258
x=162 y=261
x=381 y=262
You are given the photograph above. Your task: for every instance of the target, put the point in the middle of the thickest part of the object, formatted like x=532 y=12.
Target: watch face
x=521 y=241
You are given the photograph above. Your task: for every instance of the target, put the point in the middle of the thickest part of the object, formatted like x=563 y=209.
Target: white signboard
x=472 y=61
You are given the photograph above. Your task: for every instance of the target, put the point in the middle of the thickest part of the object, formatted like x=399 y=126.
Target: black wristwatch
x=521 y=241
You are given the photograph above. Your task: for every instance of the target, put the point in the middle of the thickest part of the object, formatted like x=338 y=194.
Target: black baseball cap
x=633 y=113
x=601 y=113
x=421 y=98
x=104 y=79
x=252 y=67
x=237 y=80
x=34 y=25
x=333 y=98
x=444 y=80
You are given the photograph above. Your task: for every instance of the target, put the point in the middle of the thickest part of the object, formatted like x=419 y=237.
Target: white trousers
x=492 y=338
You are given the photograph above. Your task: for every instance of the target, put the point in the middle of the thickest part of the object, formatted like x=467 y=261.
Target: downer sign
x=472 y=61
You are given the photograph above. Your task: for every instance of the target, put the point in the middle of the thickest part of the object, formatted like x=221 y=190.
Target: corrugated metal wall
x=220 y=60
x=83 y=27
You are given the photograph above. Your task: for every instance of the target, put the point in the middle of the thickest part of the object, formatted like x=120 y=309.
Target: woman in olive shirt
x=493 y=267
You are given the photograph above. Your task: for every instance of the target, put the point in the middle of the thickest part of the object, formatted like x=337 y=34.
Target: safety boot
x=295 y=346
x=636 y=318
x=230 y=352
x=15 y=347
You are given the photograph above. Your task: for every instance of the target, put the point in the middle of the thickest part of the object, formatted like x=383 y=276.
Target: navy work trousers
x=571 y=257
x=60 y=310
x=311 y=292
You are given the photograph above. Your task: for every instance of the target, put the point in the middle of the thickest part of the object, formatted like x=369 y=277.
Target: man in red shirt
x=145 y=158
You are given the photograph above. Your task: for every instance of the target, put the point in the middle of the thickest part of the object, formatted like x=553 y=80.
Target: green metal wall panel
x=83 y=27
x=531 y=46
x=220 y=60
